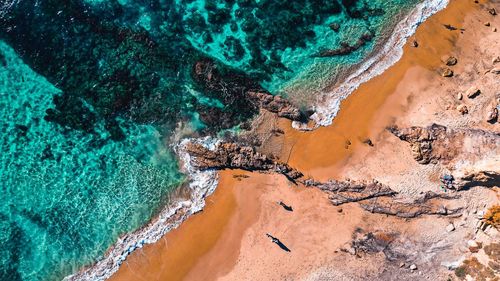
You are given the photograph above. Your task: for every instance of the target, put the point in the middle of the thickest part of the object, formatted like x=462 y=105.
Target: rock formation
x=428 y=204
x=428 y=144
x=238 y=89
x=228 y=155
x=341 y=192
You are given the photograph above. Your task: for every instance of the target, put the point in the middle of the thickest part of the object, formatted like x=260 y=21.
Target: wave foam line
x=328 y=103
x=201 y=184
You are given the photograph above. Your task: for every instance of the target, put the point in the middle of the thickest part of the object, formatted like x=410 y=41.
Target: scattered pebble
x=402 y=264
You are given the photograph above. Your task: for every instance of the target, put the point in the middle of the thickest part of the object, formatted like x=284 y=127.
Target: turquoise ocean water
x=91 y=93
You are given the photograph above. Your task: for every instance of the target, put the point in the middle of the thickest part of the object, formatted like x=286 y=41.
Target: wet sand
x=227 y=239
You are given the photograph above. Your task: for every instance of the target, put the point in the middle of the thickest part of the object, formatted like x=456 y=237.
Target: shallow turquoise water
x=90 y=94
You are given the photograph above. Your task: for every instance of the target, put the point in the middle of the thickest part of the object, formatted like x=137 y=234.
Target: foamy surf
x=201 y=184
x=328 y=104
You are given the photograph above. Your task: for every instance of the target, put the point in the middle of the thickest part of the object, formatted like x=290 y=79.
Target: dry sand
x=227 y=240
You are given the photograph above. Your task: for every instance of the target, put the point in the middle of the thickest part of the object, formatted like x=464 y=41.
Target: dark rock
x=346 y=48
x=335 y=26
x=450 y=61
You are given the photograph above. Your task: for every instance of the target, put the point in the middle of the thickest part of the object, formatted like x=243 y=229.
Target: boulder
x=462 y=108
x=447 y=72
x=460 y=96
x=492 y=115
x=450 y=228
x=472 y=92
x=492 y=11
x=413 y=267
x=450 y=61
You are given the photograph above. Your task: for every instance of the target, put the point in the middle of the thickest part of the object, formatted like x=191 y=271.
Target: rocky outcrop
x=341 y=192
x=479 y=178
x=276 y=104
x=422 y=142
x=228 y=155
x=428 y=204
x=436 y=143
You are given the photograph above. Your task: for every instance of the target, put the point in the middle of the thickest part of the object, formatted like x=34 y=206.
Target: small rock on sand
x=492 y=115
x=473 y=246
x=460 y=96
x=487 y=23
x=450 y=61
x=450 y=227
x=413 y=267
x=447 y=72
x=495 y=60
x=462 y=108
x=492 y=11
x=472 y=92
x=414 y=44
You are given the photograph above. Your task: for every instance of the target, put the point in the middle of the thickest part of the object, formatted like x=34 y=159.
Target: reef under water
x=92 y=93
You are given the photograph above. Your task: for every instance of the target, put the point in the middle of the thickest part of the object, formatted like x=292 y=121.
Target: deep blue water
x=91 y=93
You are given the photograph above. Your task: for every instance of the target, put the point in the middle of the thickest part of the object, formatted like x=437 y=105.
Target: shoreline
x=104 y=269
x=383 y=57
x=251 y=249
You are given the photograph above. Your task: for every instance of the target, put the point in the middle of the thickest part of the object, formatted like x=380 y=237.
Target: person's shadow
x=278 y=242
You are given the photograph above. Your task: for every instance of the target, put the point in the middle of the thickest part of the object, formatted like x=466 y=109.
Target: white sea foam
x=201 y=184
x=328 y=103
